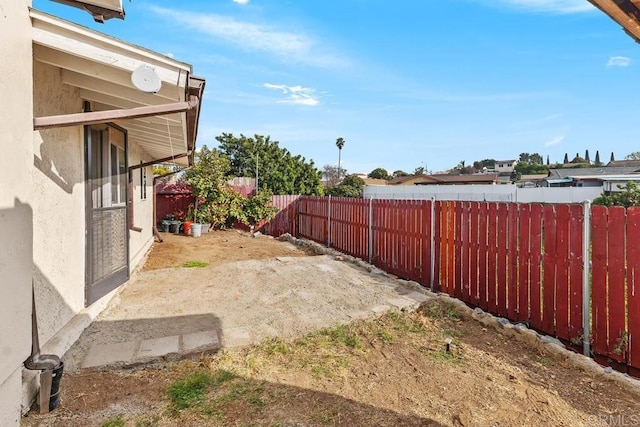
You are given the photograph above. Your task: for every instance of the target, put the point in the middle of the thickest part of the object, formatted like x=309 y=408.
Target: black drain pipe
x=49 y=365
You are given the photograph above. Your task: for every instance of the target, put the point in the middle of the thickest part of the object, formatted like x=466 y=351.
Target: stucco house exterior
x=76 y=197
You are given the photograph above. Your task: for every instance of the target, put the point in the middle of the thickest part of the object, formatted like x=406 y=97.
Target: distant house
x=505 y=166
x=445 y=179
x=624 y=163
x=590 y=177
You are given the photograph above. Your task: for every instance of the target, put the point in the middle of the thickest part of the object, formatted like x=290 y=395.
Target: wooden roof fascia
x=624 y=12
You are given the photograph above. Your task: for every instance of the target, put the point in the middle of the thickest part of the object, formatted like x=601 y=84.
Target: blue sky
x=405 y=83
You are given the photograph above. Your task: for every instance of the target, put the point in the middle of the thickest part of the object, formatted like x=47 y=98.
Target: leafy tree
x=379 y=173
x=598 y=162
x=418 y=171
x=279 y=172
x=630 y=196
x=331 y=175
x=256 y=209
x=208 y=174
x=530 y=169
x=351 y=186
x=399 y=173
x=566 y=158
x=631 y=156
x=163 y=169
x=486 y=163
x=530 y=158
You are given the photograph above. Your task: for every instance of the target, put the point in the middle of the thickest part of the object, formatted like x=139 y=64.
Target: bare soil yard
x=392 y=370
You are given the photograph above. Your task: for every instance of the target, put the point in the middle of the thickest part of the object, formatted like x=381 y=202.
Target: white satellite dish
x=145 y=79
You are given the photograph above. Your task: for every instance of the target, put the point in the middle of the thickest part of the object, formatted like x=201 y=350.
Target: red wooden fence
x=520 y=261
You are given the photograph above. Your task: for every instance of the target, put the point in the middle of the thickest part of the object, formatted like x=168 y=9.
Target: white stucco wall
x=58 y=204
x=16 y=129
x=140 y=242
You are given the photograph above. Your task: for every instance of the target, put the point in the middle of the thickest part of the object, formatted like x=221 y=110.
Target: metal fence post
x=586 y=284
x=433 y=244
x=329 y=223
x=370 y=249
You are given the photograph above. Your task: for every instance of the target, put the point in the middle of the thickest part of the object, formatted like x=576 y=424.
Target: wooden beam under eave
x=622 y=15
x=111 y=115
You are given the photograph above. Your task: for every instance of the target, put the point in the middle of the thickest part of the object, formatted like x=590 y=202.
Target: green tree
x=630 y=196
x=486 y=163
x=399 y=173
x=530 y=158
x=418 y=171
x=278 y=170
x=379 y=173
x=351 y=186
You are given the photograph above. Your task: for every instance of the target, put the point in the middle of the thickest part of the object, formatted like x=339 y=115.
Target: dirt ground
x=388 y=371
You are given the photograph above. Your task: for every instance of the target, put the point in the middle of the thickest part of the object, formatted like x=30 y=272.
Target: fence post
x=433 y=244
x=586 y=284
x=370 y=248
x=329 y=223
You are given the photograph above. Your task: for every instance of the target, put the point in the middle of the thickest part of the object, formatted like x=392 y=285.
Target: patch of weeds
x=321 y=371
x=542 y=360
x=444 y=357
x=441 y=310
x=148 y=421
x=195 y=264
x=273 y=346
x=251 y=394
x=343 y=334
x=622 y=343
x=222 y=376
x=117 y=421
x=190 y=390
x=386 y=337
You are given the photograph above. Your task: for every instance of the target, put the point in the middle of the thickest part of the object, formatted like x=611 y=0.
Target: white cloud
x=290 y=46
x=555 y=141
x=546 y=6
x=241 y=1
x=295 y=94
x=619 y=61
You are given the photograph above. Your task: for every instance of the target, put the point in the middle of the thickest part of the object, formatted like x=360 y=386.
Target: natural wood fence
x=525 y=262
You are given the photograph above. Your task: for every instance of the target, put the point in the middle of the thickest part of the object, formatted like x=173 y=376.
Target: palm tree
x=339 y=144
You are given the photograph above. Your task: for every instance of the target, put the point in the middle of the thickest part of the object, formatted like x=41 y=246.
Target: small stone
x=503 y=321
x=478 y=310
x=608 y=370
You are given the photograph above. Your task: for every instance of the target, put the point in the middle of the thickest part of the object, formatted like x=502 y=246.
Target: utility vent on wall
x=101 y=10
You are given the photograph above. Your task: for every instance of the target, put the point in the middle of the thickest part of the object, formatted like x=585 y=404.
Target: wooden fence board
x=437 y=279
x=474 y=277
x=512 y=256
x=502 y=234
x=465 y=247
x=425 y=278
x=616 y=229
x=535 y=269
x=492 y=246
x=599 y=342
x=561 y=310
x=633 y=289
x=548 y=287
x=457 y=249
x=483 y=256
x=524 y=260
x=576 y=265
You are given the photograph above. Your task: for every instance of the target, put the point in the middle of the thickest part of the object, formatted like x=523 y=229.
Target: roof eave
x=624 y=12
